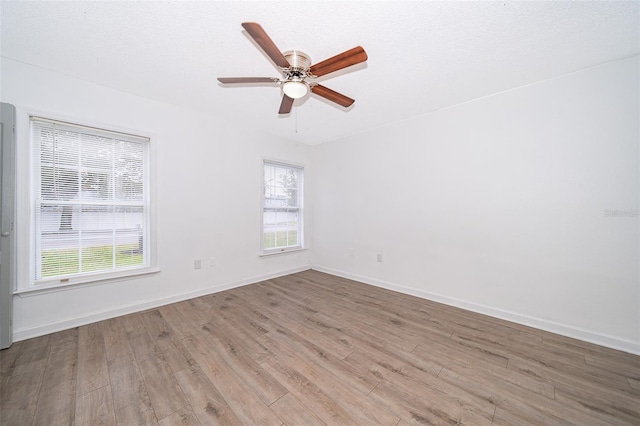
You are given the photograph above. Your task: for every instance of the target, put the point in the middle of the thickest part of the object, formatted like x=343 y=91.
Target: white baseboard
x=542 y=324
x=41 y=330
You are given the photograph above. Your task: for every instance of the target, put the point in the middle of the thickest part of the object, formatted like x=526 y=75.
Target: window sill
x=55 y=286
x=283 y=251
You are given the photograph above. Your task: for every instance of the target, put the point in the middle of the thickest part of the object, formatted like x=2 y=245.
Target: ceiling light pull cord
x=296 y=112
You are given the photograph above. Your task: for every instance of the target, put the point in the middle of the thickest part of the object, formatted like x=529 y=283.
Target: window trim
x=301 y=187
x=87 y=281
x=26 y=205
x=277 y=252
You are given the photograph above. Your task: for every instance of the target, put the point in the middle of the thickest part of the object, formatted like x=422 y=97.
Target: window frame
x=300 y=208
x=28 y=204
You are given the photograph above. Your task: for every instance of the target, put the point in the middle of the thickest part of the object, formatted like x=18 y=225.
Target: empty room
x=320 y=213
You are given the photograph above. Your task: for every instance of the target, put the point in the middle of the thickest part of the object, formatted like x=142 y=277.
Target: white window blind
x=91 y=200
x=282 y=228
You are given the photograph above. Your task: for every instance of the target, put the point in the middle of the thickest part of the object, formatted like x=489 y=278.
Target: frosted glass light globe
x=295 y=89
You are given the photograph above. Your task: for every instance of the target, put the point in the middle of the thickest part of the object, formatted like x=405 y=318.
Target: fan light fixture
x=295 y=89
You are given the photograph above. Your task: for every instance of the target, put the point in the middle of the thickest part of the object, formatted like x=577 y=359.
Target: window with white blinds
x=91 y=190
x=282 y=228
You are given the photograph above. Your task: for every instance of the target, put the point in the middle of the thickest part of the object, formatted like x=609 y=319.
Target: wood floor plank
x=634 y=383
x=624 y=369
x=235 y=314
x=207 y=402
x=504 y=380
x=515 y=399
x=292 y=412
x=252 y=347
x=383 y=367
x=271 y=317
x=156 y=325
x=571 y=376
x=264 y=385
x=164 y=392
x=488 y=354
x=133 y=323
x=523 y=414
x=587 y=348
x=57 y=397
x=248 y=312
x=285 y=342
x=95 y=408
x=237 y=303
x=167 y=342
x=327 y=373
x=369 y=331
x=610 y=408
x=116 y=343
x=550 y=358
x=183 y=417
x=387 y=357
x=9 y=355
x=130 y=399
x=244 y=402
x=320 y=402
x=26 y=355
x=298 y=304
x=19 y=397
x=415 y=408
x=439 y=393
x=92 y=359
x=197 y=311
x=181 y=326
x=237 y=306
x=448 y=349
x=305 y=330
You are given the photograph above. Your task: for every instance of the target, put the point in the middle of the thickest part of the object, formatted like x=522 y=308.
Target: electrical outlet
x=379 y=257
x=212 y=262
x=197 y=264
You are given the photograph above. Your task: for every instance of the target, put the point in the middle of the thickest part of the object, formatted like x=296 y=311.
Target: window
x=282 y=207
x=91 y=206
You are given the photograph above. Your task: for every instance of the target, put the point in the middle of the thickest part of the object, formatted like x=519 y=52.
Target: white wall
x=499 y=205
x=207 y=198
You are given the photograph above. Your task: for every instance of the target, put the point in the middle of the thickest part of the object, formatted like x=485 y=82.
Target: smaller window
x=282 y=207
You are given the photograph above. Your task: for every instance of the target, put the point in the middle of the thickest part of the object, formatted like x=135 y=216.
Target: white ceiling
x=423 y=56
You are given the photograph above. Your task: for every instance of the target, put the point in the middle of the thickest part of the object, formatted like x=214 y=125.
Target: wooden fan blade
x=343 y=60
x=332 y=95
x=285 y=105
x=260 y=36
x=234 y=80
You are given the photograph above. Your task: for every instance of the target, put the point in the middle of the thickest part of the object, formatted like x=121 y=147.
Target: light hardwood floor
x=314 y=349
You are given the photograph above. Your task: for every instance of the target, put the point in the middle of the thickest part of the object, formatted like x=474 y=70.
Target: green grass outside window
x=98 y=258
x=279 y=239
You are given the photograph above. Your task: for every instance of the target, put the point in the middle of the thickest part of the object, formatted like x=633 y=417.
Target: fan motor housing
x=297 y=59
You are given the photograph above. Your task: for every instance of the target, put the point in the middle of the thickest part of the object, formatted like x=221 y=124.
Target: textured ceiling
x=423 y=56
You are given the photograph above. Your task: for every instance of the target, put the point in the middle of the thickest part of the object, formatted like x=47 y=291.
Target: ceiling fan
x=298 y=74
